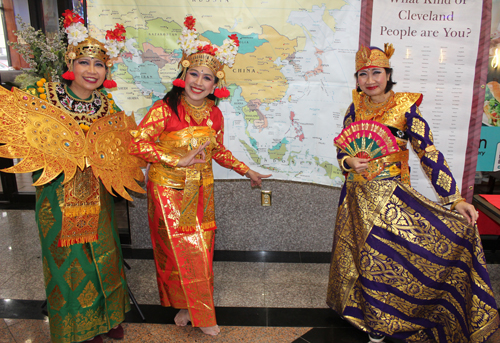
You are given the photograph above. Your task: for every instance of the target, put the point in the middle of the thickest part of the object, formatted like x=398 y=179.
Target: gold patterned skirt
x=405 y=267
x=183 y=260
x=85 y=283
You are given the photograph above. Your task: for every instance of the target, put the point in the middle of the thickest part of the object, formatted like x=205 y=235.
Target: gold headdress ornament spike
x=370 y=58
x=389 y=50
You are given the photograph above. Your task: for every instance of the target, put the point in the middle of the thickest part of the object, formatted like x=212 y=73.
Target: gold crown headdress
x=196 y=53
x=374 y=57
x=80 y=44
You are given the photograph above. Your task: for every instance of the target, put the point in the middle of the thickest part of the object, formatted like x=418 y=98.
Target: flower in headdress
x=74 y=27
x=116 y=34
x=113 y=50
x=71 y=17
x=189 y=22
x=190 y=44
x=115 y=40
x=188 y=41
x=228 y=50
x=76 y=33
x=208 y=49
x=234 y=38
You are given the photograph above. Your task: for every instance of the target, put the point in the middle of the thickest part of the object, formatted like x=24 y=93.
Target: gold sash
x=188 y=178
x=80 y=211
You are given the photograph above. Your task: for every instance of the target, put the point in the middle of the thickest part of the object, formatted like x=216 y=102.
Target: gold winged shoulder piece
x=107 y=153
x=46 y=137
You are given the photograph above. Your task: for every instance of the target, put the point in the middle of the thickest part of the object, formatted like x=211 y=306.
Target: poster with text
x=436 y=44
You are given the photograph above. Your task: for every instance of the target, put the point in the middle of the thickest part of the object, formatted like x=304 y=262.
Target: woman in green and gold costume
x=82 y=260
x=85 y=282
x=403 y=266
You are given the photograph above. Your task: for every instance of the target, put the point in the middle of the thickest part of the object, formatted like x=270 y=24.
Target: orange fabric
x=183 y=260
x=81 y=209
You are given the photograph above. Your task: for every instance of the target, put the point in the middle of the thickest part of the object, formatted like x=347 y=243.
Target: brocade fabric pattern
x=180 y=201
x=183 y=261
x=402 y=265
x=83 y=111
x=85 y=283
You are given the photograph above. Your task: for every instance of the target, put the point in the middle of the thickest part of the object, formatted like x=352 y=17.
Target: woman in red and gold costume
x=72 y=139
x=403 y=266
x=180 y=136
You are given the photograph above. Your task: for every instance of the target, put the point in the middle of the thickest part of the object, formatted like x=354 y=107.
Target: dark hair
x=173 y=95
x=389 y=85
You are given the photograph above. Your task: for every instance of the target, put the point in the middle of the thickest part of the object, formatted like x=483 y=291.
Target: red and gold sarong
x=180 y=201
x=183 y=260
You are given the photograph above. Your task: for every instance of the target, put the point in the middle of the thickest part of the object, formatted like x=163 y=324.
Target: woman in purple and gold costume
x=180 y=136
x=70 y=136
x=403 y=266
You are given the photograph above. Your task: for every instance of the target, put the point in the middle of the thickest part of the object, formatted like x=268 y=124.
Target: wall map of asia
x=290 y=84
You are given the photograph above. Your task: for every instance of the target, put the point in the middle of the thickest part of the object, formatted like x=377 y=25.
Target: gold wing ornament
x=48 y=138
x=40 y=133
x=107 y=153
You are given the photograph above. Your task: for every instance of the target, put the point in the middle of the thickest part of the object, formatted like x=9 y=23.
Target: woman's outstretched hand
x=358 y=164
x=190 y=158
x=256 y=178
x=468 y=211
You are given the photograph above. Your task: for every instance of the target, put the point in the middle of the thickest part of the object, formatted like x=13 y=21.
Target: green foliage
x=24 y=80
x=43 y=53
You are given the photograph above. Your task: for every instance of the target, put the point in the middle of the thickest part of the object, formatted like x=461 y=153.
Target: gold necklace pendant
x=371 y=109
x=198 y=113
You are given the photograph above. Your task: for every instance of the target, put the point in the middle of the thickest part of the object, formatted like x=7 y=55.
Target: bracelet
x=343 y=164
x=456 y=202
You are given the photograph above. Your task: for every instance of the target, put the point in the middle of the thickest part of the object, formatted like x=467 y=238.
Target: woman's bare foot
x=211 y=330
x=182 y=318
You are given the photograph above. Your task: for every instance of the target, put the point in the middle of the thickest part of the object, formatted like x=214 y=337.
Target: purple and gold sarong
x=403 y=266
x=408 y=268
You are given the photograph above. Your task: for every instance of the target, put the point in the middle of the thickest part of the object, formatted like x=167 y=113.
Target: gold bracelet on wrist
x=456 y=202
x=347 y=170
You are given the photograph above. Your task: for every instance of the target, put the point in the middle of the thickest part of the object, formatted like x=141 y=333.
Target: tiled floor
x=259 y=296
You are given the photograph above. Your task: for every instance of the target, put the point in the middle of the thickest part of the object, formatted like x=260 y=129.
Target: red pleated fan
x=366 y=139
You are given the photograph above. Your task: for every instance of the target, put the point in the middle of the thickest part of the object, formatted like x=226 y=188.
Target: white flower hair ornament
x=81 y=44
x=197 y=53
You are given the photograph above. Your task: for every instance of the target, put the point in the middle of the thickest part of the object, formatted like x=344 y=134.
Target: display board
x=436 y=44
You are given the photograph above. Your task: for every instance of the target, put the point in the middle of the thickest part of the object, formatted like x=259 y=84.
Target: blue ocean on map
x=248 y=43
x=146 y=74
x=278 y=146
